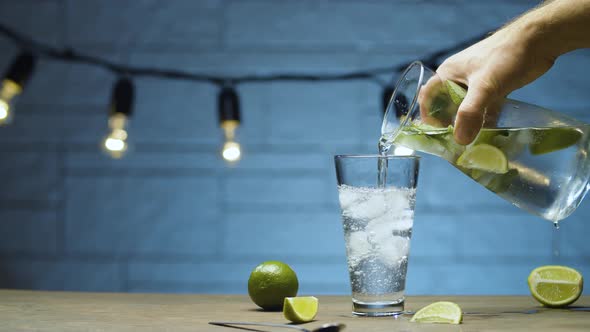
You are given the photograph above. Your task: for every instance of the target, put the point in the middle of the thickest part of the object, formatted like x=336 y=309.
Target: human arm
x=513 y=57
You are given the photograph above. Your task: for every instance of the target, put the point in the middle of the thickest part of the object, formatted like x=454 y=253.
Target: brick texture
x=173 y=217
x=178 y=211
x=182 y=24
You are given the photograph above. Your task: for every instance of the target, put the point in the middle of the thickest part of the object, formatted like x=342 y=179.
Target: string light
x=70 y=55
x=13 y=83
x=229 y=121
x=115 y=143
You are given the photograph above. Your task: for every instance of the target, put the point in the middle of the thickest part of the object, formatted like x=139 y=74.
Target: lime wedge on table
x=439 y=312
x=456 y=92
x=553 y=139
x=484 y=157
x=300 y=309
x=555 y=286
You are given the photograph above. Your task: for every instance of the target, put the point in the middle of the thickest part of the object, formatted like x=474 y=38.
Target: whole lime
x=269 y=284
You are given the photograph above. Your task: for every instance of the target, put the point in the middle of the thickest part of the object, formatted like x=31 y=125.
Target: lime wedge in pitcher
x=456 y=92
x=428 y=139
x=553 y=139
x=484 y=157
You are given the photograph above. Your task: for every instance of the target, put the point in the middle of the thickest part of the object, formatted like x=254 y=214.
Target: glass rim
x=375 y=156
x=412 y=107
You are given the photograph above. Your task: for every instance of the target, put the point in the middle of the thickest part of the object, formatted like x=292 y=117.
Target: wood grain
x=77 y=311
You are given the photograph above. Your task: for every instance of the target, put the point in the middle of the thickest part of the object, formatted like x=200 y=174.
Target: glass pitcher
x=533 y=157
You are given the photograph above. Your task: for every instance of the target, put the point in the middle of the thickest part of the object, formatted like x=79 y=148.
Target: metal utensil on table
x=477 y=313
x=328 y=327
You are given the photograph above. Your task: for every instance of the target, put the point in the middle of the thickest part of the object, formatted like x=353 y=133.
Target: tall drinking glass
x=377 y=198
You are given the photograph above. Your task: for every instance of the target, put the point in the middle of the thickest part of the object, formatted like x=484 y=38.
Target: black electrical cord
x=69 y=55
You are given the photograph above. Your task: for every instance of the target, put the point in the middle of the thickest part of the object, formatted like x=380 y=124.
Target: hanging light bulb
x=15 y=79
x=115 y=143
x=229 y=120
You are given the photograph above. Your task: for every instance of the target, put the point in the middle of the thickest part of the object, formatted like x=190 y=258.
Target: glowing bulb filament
x=8 y=91
x=231 y=151
x=4 y=111
x=115 y=144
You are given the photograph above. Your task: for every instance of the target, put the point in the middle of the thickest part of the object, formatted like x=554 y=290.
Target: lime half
x=300 y=309
x=555 y=286
x=456 y=92
x=439 y=312
x=553 y=139
x=269 y=284
x=484 y=157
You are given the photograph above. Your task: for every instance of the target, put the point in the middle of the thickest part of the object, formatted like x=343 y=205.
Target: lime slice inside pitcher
x=553 y=139
x=456 y=92
x=484 y=157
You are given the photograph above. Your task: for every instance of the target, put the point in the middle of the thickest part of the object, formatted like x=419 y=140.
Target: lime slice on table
x=456 y=92
x=555 y=286
x=439 y=312
x=484 y=157
x=300 y=309
x=553 y=139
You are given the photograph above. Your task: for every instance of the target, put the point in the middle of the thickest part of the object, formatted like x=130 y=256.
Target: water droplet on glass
x=555 y=242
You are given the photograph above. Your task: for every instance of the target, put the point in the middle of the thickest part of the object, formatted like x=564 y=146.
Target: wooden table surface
x=72 y=311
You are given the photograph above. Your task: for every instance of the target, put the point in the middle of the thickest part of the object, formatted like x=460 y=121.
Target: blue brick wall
x=172 y=217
